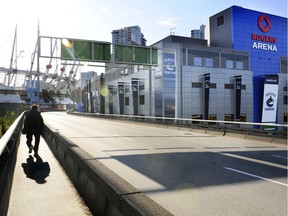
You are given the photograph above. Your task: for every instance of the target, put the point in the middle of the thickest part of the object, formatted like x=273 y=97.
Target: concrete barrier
x=104 y=192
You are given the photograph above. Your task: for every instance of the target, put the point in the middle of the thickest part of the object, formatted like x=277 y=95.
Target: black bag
x=24 y=131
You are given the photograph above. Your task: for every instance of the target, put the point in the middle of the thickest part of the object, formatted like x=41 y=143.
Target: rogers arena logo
x=264 y=28
x=264 y=25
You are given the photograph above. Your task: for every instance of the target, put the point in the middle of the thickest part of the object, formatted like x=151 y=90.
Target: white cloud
x=131 y=13
x=168 y=21
x=105 y=10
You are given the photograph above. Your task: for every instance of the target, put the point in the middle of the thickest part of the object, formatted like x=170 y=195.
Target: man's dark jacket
x=33 y=122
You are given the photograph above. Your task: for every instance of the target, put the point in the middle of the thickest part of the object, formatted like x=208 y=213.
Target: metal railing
x=9 y=144
x=246 y=128
x=7 y=141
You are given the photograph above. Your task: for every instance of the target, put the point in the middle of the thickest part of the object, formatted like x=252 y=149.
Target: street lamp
x=66 y=43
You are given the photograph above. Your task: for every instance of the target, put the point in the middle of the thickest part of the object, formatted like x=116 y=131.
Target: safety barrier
x=9 y=144
x=104 y=192
x=276 y=133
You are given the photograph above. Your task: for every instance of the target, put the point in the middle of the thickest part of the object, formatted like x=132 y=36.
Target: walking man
x=33 y=125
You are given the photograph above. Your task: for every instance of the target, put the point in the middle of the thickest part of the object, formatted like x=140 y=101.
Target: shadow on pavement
x=202 y=169
x=36 y=170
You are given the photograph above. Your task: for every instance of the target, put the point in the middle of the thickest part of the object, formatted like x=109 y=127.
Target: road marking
x=255 y=176
x=123 y=137
x=278 y=156
x=255 y=160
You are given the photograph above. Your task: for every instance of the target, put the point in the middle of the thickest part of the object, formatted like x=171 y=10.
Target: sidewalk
x=41 y=187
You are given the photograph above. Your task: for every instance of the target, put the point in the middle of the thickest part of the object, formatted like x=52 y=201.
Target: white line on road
x=123 y=137
x=278 y=156
x=255 y=176
x=255 y=160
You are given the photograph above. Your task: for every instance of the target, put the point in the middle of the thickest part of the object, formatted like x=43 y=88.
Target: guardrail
x=8 y=137
x=268 y=130
x=8 y=152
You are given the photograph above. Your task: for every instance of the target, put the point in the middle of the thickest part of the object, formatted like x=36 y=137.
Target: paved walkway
x=41 y=187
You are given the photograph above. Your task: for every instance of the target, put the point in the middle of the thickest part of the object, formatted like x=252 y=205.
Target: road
x=186 y=172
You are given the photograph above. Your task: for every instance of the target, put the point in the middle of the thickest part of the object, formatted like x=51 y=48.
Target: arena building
x=264 y=36
x=239 y=74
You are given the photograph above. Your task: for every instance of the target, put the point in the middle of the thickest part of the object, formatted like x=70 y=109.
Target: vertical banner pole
x=238 y=84
x=206 y=95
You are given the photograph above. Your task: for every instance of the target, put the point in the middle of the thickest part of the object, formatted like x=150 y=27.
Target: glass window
x=126 y=101
x=239 y=65
x=284 y=64
x=212 y=117
x=242 y=117
x=212 y=85
x=229 y=64
x=229 y=117
x=209 y=62
x=141 y=87
x=198 y=116
x=197 y=61
x=220 y=21
x=142 y=99
x=197 y=85
x=229 y=86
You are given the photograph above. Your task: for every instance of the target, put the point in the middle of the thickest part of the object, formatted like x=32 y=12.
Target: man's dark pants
x=29 y=138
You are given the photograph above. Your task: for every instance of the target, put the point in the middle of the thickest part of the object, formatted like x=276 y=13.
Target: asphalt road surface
x=186 y=172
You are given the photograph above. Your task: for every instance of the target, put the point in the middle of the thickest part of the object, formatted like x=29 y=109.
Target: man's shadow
x=36 y=170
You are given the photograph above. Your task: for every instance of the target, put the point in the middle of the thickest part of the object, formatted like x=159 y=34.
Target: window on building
x=197 y=116
x=198 y=61
x=212 y=117
x=141 y=87
x=197 y=85
x=229 y=86
x=239 y=65
x=220 y=21
x=285 y=99
x=242 y=117
x=285 y=117
x=142 y=99
x=213 y=85
x=229 y=64
x=284 y=67
x=239 y=60
x=209 y=62
x=203 y=54
x=127 y=101
x=229 y=117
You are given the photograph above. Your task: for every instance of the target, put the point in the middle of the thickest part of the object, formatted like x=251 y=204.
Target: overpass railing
x=8 y=152
x=268 y=130
x=7 y=141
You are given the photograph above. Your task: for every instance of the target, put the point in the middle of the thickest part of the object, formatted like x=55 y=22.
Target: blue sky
x=95 y=19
